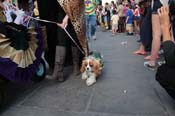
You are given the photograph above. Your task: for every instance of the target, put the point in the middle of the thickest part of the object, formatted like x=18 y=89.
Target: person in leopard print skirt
x=70 y=16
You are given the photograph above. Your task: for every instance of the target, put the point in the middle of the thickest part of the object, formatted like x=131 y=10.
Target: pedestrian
x=104 y=18
x=99 y=15
x=112 y=7
x=137 y=17
x=70 y=18
x=156 y=41
x=122 y=18
x=90 y=15
x=145 y=30
x=129 y=20
x=107 y=16
x=114 y=22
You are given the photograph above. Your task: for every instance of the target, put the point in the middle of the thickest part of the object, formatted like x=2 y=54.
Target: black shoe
x=60 y=77
x=130 y=33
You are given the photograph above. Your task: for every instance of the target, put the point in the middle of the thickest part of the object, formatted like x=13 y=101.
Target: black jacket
x=169 y=53
x=165 y=74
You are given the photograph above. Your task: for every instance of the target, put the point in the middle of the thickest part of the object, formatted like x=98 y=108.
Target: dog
x=91 y=67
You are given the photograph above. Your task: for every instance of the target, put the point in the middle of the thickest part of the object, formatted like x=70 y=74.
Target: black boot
x=59 y=63
x=75 y=59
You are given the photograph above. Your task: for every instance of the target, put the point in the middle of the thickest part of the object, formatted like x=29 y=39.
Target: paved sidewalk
x=125 y=88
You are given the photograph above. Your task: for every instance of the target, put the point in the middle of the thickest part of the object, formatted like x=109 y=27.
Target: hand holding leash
x=64 y=23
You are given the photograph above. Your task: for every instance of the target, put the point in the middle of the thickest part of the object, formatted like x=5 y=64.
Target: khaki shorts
x=129 y=28
x=114 y=26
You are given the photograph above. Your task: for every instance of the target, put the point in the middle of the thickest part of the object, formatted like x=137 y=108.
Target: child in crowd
x=136 y=14
x=129 y=20
x=114 y=22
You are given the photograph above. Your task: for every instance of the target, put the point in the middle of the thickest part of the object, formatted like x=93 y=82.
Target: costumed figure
x=20 y=47
x=20 y=51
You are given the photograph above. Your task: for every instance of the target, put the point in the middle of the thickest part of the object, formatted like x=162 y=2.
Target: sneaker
x=148 y=65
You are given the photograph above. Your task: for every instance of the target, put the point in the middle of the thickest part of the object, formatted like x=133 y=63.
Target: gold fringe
x=20 y=57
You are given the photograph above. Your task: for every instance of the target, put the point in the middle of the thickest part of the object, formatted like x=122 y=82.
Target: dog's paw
x=84 y=77
x=90 y=81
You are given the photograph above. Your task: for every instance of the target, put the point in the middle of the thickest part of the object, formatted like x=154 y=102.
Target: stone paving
x=125 y=88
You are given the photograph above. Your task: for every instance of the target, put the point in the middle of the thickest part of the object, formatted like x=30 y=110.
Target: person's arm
x=111 y=19
x=165 y=23
x=127 y=19
x=127 y=16
x=168 y=45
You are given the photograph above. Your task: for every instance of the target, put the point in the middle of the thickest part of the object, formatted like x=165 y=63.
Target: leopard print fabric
x=75 y=11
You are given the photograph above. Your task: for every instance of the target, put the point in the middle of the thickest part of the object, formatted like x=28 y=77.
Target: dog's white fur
x=90 y=69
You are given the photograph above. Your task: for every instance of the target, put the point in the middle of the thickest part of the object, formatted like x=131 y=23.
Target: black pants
x=48 y=11
x=121 y=24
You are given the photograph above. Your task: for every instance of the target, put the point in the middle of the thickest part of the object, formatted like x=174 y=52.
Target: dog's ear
x=97 y=69
x=82 y=69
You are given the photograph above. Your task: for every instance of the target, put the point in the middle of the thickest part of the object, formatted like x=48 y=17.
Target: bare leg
x=135 y=26
x=156 y=39
x=113 y=31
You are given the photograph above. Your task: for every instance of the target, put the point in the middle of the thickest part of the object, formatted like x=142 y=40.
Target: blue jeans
x=90 y=26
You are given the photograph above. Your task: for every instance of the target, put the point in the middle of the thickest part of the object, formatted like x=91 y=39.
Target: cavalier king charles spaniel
x=91 y=68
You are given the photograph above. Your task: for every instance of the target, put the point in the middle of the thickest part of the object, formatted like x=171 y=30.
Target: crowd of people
x=121 y=17
x=136 y=18
x=151 y=20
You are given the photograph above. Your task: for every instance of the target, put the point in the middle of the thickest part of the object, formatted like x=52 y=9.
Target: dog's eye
x=85 y=64
x=91 y=65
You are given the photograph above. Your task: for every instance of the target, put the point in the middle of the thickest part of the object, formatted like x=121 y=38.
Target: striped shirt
x=90 y=7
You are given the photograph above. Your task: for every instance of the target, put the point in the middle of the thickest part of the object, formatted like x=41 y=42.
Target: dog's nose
x=87 y=68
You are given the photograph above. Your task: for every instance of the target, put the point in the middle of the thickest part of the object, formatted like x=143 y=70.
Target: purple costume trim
x=11 y=71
